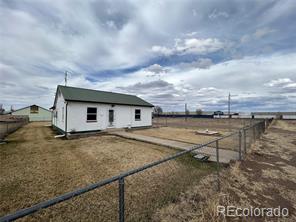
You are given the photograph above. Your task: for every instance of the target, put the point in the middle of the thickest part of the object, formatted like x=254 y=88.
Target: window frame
x=138 y=115
x=36 y=111
x=91 y=114
x=113 y=116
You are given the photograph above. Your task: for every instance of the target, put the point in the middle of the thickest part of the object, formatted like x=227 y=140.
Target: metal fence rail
x=245 y=136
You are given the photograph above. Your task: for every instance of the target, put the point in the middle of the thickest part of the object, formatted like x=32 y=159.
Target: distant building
x=34 y=112
x=275 y=115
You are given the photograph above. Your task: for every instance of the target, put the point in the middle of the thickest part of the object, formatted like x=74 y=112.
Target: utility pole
x=229 y=125
x=229 y=105
x=66 y=77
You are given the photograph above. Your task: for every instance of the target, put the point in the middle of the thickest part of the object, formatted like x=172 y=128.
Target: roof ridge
x=98 y=90
x=92 y=95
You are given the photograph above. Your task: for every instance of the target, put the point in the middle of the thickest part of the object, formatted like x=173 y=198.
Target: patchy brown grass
x=178 y=134
x=188 y=136
x=35 y=166
x=221 y=125
x=265 y=179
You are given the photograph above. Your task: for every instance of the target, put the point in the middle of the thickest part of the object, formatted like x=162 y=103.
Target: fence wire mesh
x=9 y=124
x=96 y=205
x=146 y=189
x=150 y=190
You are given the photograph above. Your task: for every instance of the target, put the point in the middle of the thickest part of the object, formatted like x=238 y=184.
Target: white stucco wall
x=42 y=115
x=124 y=116
x=61 y=112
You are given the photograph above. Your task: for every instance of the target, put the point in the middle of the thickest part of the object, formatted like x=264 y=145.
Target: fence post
x=245 y=141
x=218 y=165
x=240 y=144
x=166 y=120
x=121 y=199
x=254 y=133
x=265 y=125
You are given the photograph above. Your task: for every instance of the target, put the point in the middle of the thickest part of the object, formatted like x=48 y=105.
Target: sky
x=167 y=52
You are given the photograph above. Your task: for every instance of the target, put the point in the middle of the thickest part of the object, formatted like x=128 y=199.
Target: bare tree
x=157 y=110
x=2 y=110
x=198 y=111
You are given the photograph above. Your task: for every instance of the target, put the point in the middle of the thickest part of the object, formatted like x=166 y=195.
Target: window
x=111 y=116
x=137 y=114
x=91 y=114
x=34 y=109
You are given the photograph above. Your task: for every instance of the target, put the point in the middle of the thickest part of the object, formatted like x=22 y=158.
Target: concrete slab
x=224 y=155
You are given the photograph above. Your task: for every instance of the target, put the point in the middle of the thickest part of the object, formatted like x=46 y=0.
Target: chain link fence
x=226 y=124
x=136 y=195
x=10 y=124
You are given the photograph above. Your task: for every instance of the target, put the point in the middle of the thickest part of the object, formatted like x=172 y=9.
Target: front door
x=111 y=117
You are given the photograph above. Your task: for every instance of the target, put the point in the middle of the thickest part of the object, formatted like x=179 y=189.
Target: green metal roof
x=89 y=95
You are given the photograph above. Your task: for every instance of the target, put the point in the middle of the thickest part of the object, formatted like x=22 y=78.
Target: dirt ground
x=266 y=178
x=221 y=125
x=35 y=167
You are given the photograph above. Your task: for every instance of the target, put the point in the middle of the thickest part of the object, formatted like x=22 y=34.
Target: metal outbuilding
x=34 y=112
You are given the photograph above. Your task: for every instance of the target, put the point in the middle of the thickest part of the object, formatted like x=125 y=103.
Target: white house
x=34 y=112
x=78 y=110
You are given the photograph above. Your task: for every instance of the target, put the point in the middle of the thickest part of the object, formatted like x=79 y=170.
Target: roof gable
x=30 y=106
x=89 y=95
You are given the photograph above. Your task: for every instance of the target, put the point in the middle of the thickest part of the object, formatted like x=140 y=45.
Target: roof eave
x=71 y=100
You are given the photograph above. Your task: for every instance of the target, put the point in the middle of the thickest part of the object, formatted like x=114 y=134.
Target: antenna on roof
x=66 y=77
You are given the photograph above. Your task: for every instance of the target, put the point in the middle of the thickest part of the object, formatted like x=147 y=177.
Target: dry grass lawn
x=188 y=136
x=35 y=167
x=221 y=125
x=265 y=179
x=178 y=134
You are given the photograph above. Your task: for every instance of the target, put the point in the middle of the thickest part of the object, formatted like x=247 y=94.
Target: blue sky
x=167 y=52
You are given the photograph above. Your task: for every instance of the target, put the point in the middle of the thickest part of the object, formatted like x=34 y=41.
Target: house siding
x=124 y=116
x=60 y=109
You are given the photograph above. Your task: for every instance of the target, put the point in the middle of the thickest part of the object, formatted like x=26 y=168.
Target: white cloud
x=191 y=45
x=105 y=41
x=162 y=50
x=156 y=69
x=279 y=82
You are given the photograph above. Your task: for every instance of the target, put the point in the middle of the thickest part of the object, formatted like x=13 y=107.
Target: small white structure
x=78 y=110
x=34 y=112
x=275 y=115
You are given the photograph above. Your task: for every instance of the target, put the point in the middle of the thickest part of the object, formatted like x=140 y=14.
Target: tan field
x=265 y=179
x=177 y=134
x=35 y=167
x=221 y=125
x=189 y=136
